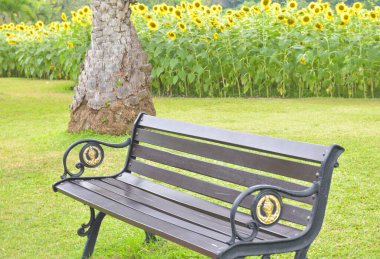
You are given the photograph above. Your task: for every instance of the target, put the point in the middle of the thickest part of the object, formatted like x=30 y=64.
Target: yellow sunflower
x=357 y=5
x=141 y=8
x=291 y=21
x=63 y=17
x=86 y=9
x=281 y=17
x=292 y=5
x=197 y=21
x=178 y=14
x=329 y=16
x=40 y=24
x=70 y=44
x=373 y=16
x=345 y=17
x=318 y=26
x=306 y=19
x=302 y=61
x=216 y=36
x=197 y=4
x=266 y=4
x=152 y=25
x=171 y=35
x=341 y=7
x=181 y=26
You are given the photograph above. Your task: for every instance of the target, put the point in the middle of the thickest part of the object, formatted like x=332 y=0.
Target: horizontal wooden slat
x=215 y=210
x=290 y=213
x=126 y=201
x=172 y=208
x=300 y=171
x=311 y=152
x=214 y=170
x=184 y=237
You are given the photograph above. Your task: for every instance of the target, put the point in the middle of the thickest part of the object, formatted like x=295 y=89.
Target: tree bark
x=115 y=78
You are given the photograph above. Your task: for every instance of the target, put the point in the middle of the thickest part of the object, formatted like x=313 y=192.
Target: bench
x=221 y=193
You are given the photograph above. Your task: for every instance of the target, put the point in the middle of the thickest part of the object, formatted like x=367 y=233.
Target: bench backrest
x=220 y=163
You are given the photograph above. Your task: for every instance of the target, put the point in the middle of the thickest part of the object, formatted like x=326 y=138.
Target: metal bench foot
x=302 y=254
x=92 y=233
x=149 y=238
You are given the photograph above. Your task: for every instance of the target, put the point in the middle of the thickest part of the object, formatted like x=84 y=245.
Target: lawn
x=35 y=222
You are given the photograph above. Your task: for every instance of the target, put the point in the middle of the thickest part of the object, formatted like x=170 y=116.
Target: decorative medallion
x=267 y=208
x=91 y=155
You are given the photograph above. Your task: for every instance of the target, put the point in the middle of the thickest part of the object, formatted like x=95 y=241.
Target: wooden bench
x=222 y=193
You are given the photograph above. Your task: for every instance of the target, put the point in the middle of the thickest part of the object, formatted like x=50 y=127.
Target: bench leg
x=302 y=254
x=149 y=237
x=92 y=235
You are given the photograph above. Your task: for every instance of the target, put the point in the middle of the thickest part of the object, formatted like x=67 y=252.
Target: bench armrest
x=91 y=155
x=254 y=224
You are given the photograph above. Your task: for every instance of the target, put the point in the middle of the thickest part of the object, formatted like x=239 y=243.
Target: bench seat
x=192 y=222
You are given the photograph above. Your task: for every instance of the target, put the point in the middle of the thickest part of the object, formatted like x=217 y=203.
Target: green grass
x=35 y=222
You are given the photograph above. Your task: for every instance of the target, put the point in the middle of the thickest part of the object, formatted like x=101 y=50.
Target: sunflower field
x=265 y=50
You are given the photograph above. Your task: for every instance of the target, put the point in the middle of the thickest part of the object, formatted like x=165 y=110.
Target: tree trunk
x=115 y=78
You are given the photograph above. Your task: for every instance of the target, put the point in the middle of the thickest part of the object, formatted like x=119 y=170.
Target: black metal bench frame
x=256 y=233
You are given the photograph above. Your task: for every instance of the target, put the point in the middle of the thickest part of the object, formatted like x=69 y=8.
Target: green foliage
x=236 y=53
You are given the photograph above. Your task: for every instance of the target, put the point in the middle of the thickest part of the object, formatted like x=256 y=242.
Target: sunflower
x=181 y=26
x=70 y=44
x=281 y=17
x=318 y=26
x=152 y=25
x=373 y=16
x=216 y=36
x=197 y=21
x=317 y=10
x=183 y=5
x=292 y=5
x=40 y=24
x=65 y=26
x=291 y=21
x=329 y=16
x=197 y=4
x=230 y=19
x=164 y=8
x=156 y=8
x=20 y=28
x=86 y=9
x=276 y=7
x=222 y=28
x=302 y=61
x=8 y=35
x=342 y=24
x=341 y=7
x=63 y=17
x=178 y=14
x=312 y=5
x=141 y=8
x=148 y=17
x=245 y=9
x=255 y=10
x=305 y=19
x=357 y=5
x=345 y=17
x=266 y=4
x=171 y=35
x=11 y=42
x=2 y=27
x=171 y=9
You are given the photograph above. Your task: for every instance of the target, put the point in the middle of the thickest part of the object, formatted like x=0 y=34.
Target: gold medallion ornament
x=267 y=208
x=91 y=155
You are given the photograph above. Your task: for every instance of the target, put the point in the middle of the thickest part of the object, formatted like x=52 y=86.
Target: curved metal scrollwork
x=82 y=230
x=91 y=155
x=266 y=209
